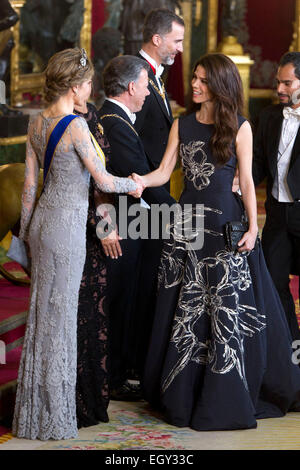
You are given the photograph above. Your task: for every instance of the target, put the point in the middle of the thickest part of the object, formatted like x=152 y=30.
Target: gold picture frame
x=212 y=19
x=34 y=82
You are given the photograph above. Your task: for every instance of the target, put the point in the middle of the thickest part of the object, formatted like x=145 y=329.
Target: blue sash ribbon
x=54 y=139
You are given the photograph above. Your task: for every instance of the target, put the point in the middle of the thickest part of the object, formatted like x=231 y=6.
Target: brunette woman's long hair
x=225 y=85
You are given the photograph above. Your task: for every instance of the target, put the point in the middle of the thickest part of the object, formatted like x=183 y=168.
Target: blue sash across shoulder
x=54 y=139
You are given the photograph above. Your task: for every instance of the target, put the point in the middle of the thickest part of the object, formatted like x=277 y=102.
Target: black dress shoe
x=126 y=392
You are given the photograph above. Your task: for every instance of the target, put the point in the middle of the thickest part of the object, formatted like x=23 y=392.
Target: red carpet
x=8 y=371
x=14 y=301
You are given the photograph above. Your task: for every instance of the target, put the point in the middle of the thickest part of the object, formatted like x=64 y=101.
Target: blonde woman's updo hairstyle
x=65 y=69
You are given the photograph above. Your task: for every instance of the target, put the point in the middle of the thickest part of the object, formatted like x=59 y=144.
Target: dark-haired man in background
x=277 y=157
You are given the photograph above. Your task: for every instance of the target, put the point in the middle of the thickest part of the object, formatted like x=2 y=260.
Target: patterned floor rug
x=133 y=426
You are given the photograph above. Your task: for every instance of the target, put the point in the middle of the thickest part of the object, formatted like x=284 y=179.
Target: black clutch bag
x=234 y=231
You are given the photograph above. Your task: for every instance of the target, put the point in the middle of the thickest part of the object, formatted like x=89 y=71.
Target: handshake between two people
x=141 y=185
x=144 y=181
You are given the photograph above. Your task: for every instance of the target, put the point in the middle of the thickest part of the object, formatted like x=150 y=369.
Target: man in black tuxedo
x=277 y=157
x=163 y=35
x=126 y=86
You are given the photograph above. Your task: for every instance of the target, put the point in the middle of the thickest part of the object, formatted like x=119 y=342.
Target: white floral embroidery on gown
x=220 y=354
x=45 y=402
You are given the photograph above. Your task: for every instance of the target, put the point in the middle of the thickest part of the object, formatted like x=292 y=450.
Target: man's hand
x=140 y=185
x=111 y=245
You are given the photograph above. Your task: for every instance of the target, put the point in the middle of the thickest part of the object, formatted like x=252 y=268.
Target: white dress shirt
x=290 y=127
x=131 y=115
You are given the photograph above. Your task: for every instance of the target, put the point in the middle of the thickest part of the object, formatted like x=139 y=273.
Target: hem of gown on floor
x=220 y=352
x=91 y=422
x=38 y=437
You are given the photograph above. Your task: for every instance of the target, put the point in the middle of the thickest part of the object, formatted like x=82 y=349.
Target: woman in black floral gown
x=220 y=355
x=92 y=393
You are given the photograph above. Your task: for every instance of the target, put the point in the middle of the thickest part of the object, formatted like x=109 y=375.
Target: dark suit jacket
x=127 y=152
x=266 y=144
x=132 y=277
x=153 y=124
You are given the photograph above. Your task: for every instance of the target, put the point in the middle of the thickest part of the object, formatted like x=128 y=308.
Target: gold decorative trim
x=212 y=25
x=15 y=76
x=230 y=46
x=243 y=63
x=262 y=93
x=161 y=94
x=187 y=7
x=86 y=30
x=19 y=139
x=122 y=119
x=295 y=46
x=177 y=111
x=34 y=82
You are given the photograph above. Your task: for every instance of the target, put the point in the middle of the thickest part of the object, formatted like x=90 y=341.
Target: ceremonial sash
x=53 y=141
x=98 y=150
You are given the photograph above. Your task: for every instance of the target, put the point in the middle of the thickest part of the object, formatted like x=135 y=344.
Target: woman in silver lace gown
x=55 y=230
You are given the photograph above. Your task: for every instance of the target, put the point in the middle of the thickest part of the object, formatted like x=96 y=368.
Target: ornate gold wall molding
x=187 y=8
x=230 y=46
x=15 y=77
x=295 y=46
x=262 y=93
x=20 y=139
x=234 y=50
x=86 y=30
x=34 y=82
x=212 y=26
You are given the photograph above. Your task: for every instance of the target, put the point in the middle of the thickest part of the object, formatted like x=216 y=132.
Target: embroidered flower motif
x=229 y=319
x=197 y=169
x=185 y=233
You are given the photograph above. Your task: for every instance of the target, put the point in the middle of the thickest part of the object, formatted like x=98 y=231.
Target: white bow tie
x=132 y=117
x=290 y=112
x=159 y=71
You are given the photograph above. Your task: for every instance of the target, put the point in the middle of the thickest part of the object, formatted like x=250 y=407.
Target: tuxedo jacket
x=127 y=153
x=266 y=145
x=153 y=123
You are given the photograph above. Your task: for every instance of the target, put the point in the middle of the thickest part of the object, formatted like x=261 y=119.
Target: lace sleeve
x=30 y=185
x=86 y=151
